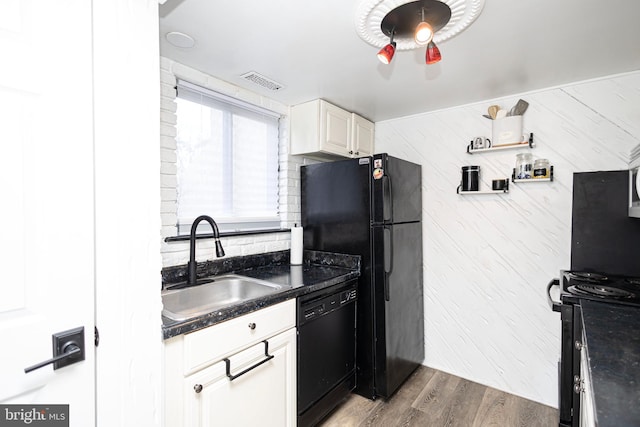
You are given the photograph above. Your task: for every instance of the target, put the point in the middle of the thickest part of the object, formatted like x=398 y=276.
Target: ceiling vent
x=261 y=80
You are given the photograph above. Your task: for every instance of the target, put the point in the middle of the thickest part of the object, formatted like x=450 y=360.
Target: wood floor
x=432 y=398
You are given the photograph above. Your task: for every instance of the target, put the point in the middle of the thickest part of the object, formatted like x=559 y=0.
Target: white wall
x=177 y=253
x=488 y=258
x=127 y=225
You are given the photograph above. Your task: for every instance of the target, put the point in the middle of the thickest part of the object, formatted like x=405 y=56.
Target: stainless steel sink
x=221 y=291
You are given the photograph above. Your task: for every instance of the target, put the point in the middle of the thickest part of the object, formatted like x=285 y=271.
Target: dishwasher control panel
x=314 y=308
x=348 y=296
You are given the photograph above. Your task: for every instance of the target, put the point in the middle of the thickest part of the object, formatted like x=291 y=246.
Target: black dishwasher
x=326 y=350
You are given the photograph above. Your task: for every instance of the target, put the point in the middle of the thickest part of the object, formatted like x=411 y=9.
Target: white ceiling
x=313 y=50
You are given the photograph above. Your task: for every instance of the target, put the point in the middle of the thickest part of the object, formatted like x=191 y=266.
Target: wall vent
x=261 y=80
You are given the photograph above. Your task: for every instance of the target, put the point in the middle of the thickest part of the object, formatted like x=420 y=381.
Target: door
x=399 y=304
x=47 y=212
x=335 y=129
x=336 y=216
x=361 y=136
x=396 y=195
x=335 y=199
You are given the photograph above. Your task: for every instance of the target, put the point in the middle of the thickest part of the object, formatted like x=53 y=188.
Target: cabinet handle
x=578 y=345
x=350 y=151
x=197 y=388
x=357 y=153
x=252 y=326
x=266 y=359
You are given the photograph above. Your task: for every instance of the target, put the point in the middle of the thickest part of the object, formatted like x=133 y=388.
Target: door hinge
x=96 y=336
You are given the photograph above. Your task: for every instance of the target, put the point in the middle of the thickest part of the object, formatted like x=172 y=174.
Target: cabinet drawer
x=209 y=345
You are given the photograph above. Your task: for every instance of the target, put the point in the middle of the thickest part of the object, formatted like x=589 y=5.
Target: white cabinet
x=362 y=136
x=333 y=128
x=323 y=130
x=259 y=349
x=263 y=396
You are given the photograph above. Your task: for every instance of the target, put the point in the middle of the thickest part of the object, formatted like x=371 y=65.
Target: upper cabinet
x=320 y=129
x=361 y=136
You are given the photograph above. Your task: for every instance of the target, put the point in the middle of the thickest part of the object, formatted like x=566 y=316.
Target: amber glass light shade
x=433 y=53
x=386 y=53
x=423 y=34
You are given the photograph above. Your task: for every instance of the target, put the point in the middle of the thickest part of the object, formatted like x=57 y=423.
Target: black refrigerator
x=372 y=207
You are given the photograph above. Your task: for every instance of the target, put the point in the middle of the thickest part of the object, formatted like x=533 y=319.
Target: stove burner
x=600 y=291
x=595 y=277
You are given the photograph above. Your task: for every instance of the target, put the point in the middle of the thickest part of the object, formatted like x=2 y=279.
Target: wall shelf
x=503 y=191
x=464 y=193
x=523 y=144
x=517 y=181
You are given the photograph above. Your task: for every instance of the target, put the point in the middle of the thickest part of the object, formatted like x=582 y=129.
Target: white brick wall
x=176 y=253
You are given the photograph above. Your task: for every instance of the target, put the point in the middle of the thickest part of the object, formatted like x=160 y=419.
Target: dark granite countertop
x=319 y=270
x=613 y=347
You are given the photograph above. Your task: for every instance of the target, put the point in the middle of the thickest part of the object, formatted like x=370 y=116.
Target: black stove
x=604 y=268
x=575 y=286
x=599 y=287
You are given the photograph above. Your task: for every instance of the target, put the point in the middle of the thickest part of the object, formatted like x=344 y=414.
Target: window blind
x=227 y=161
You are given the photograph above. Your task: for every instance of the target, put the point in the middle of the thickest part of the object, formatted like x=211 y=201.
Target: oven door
x=565 y=366
x=569 y=379
x=565 y=378
x=576 y=347
x=634 y=192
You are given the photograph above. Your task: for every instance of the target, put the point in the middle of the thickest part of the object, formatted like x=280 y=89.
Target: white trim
x=231 y=225
x=129 y=358
x=225 y=98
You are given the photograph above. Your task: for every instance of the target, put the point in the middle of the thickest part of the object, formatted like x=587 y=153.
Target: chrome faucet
x=192 y=245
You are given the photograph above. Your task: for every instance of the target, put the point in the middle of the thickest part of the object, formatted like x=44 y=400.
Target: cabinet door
x=263 y=396
x=362 y=136
x=335 y=129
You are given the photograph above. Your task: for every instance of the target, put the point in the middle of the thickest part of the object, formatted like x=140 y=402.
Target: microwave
x=634 y=192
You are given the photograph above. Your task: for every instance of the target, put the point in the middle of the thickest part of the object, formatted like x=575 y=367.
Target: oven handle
x=555 y=305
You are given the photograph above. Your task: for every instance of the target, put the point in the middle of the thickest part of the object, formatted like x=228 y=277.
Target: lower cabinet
x=262 y=396
x=262 y=387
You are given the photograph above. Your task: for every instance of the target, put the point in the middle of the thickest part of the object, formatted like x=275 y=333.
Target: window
x=227 y=161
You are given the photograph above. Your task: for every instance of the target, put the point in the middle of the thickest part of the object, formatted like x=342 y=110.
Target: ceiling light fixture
x=386 y=53
x=424 y=32
x=413 y=24
x=418 y=19
x=433 y=53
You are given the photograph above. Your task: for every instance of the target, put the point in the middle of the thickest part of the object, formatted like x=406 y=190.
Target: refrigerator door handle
x=387 y=197
x=388 y=259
